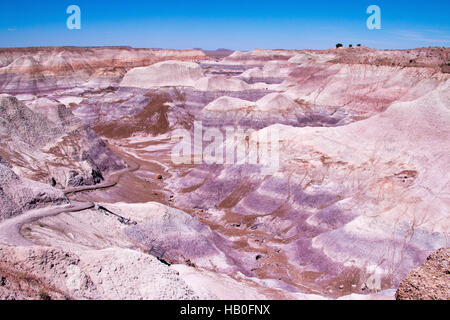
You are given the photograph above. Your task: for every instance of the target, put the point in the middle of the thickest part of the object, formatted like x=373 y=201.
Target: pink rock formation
x=359 y=199
x=34 y=70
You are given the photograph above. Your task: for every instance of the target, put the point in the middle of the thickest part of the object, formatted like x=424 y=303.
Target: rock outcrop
x=18 y=195
x=431 y=281
x=163 y=74
x=182 y=237
x=47 y=142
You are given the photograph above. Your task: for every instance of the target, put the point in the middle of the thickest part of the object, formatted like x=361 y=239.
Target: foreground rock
x=48 y=273
x=431 y=281
x=87 y=255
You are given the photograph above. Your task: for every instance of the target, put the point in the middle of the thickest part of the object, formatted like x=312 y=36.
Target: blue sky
x=238 y=25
